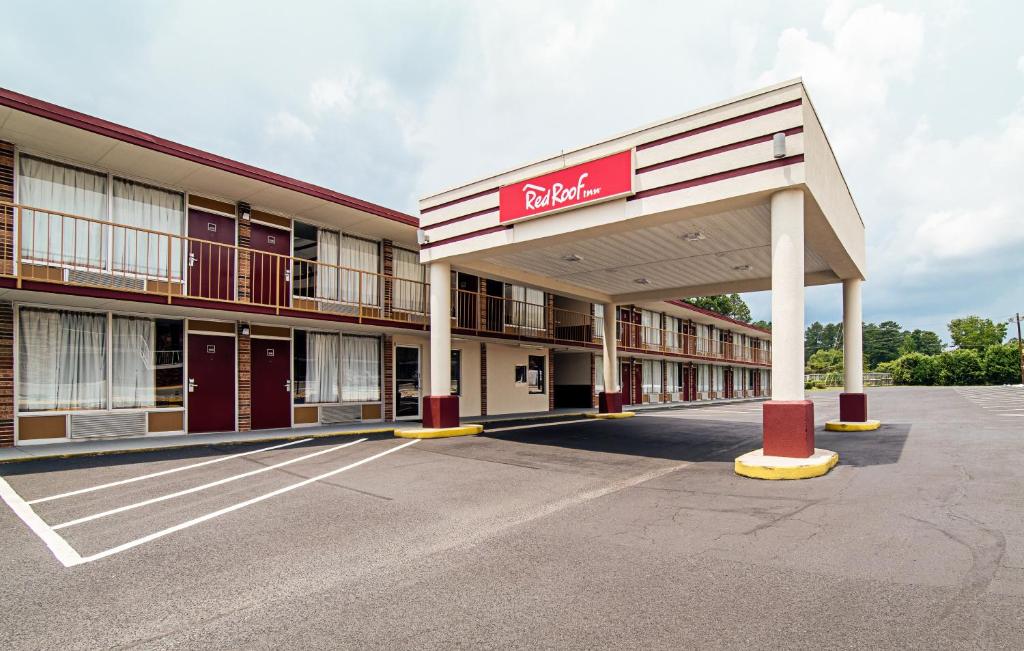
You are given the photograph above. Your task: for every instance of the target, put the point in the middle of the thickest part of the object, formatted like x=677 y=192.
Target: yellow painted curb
x=841 y=426
x=438 y=433
x=621 y=414
x=759 y=466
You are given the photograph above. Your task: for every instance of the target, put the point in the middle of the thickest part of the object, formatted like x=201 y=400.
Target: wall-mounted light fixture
x=779 y=145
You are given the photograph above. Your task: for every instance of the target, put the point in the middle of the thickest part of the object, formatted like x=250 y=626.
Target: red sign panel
x=596 y=180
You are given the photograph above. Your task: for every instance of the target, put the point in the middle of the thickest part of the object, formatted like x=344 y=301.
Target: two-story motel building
x=150 y=288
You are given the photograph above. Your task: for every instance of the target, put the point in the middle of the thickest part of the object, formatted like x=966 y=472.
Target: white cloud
x=1020 y=63
x=850 y=77
x=286 y=126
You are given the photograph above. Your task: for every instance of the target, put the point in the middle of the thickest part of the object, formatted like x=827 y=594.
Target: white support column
x=440 y=328
x=853 y=344
x=611 y=351
x=787 y=295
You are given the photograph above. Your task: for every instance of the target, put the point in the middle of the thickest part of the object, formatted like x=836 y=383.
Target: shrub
x=1001 y=364
x=960 y=367
x=915 y=368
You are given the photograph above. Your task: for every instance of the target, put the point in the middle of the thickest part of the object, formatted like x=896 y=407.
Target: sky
x=390 y=100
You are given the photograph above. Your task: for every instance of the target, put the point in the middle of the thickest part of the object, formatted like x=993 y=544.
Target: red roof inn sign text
x=597 y=180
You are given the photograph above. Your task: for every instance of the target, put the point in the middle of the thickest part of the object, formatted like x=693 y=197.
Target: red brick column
x=244 y=379
x=389 y=378
x=551 y=379
x=244 y=257
x=7 y=215
x=593 y=381
x=6 y=374
x=388 y=258
x=483 y=379
x=482 y=300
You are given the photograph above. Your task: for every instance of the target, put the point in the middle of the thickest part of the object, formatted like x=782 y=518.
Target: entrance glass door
x=407 y=382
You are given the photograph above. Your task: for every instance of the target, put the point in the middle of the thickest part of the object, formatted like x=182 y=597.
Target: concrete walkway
x=94 y=447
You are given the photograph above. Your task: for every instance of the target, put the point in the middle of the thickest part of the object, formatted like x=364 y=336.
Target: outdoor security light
x=779 y=145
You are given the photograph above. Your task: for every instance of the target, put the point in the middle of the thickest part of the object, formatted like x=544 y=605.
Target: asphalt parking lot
x=589 y=534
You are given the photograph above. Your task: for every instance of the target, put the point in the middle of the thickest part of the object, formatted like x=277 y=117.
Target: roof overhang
x=45 y=129
x=710 y=172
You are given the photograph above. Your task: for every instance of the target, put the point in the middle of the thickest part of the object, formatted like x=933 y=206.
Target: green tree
x=960 y=367
x=761 y=323
x=820 y=336
x=914 y=369
x=1001 y=364
x=882 y=342
x=827 y=360
x=975 y=333
x=730 y=305
x=921 y=341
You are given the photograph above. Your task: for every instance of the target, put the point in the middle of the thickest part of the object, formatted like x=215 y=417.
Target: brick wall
x=244 y=257
x=388 y=355
x=6 y=374
x=593 y=381
x=551 y=379
x=387 y=255
x=7 y=217
x=482 y=302
x=244 y=380
x=483 y=379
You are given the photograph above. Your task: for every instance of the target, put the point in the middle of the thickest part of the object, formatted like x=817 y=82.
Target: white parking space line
x=196 y=489
x=241 y=505
x=69 y=557
x=161 y=473
x=60 y=548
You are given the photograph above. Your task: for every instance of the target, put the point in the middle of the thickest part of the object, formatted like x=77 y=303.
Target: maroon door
x=211 y=383
x=271 y=383
x=270 y=284
x=211 y=256
x=728 y=381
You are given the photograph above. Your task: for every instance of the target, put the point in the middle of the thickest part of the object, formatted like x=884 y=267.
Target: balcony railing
x=45 y=246
x=482 y=314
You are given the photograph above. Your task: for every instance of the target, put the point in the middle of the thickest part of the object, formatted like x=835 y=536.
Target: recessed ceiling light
x=692 y=237
x=572 y=257
x=742 y=267
x=642 y=281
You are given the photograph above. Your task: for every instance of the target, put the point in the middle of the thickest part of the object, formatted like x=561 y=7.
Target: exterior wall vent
x=341 y=414
x=100 y=279
x=88 y=426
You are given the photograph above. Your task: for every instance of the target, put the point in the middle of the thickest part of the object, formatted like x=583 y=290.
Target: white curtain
x=526 y=309
x=322 y=357
x=671 y=377
x=65 y=189
x=651 y=322
x=360 y=369
x=62 y=360
x=328 y=252
x=672 y=340
x=652 y=376
x=133 y=373
x=143 y=206
x=361 y=255
x=599 y=372
x=599 y=320
x=409 y=281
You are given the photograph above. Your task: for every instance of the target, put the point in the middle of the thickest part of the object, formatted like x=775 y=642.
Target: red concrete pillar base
x=440 y=411
x=609 y=403
x=788 y=428
x=853 y=407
